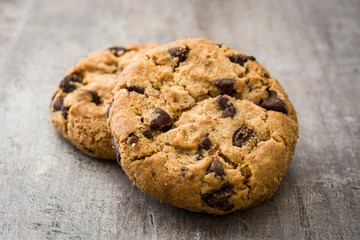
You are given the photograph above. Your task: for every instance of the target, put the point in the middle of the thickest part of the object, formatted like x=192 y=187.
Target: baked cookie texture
x=203 y=127
x=78 y=106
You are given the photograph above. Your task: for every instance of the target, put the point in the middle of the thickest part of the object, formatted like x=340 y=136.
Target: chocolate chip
x=132 y=138
x=163 y=122
x=198 y=154
x=116 y=51
x=241 y=136
x=94 y=97
x=222 y=101
x=206 y=144
x=137 y=89
x=64 y=111
x=65 y=83
x=226 y=85
x=147 y=133
x=273 y=102
x=219 y=199
x=229 y=111
x=66 y=86
x=213 y=151
x=108 y=110
x=227 y=106
x=179 y=52
x=74 y=78
x=216 y=167
x=241 y=59
x=118 y=157
x=58 y=104
x=219 y=45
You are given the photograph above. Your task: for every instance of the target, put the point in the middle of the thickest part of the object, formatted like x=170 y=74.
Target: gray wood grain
x=50 y=190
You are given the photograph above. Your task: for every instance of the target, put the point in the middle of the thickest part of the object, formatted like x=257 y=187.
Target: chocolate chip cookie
x=78 y=106
x=203 y=127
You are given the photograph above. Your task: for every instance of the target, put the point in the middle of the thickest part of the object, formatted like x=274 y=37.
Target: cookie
x=78 y=106
x=211 y=130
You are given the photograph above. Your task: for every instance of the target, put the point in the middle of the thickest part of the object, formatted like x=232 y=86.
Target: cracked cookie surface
x=78 y=106
x=209 y=131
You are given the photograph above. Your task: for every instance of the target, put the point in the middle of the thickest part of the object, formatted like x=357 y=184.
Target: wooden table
x=50 y=190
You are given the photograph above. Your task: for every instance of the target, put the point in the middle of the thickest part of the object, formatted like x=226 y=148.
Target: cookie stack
x=193 y=123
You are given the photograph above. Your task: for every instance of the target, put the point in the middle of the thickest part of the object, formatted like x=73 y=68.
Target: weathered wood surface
x=48 y=189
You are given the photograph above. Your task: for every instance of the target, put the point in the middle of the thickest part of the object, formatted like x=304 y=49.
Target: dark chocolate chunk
x=241 y=136
x=163 y=122
x=133 y=138
x=198 y=154
x=219 y=199
x=206 y=144
x=273 y=102
x=147 y=133
x=241 y=59
x=108 y=110
x=118 y=157
x=64 y=111
x=137 y=89
x=73 y=78
x=226 y=85
x=94 y=97
x=116 y=51
x=65 y=84
x=219 y=45
x=179 y=52
x=227 y=106
x=222 y=101
x=229 y=111
x=216 y=167
x=58 y=104
x=213 y=151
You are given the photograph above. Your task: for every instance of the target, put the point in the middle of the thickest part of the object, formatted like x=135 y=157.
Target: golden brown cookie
x=203 y=127
x=78 y=106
